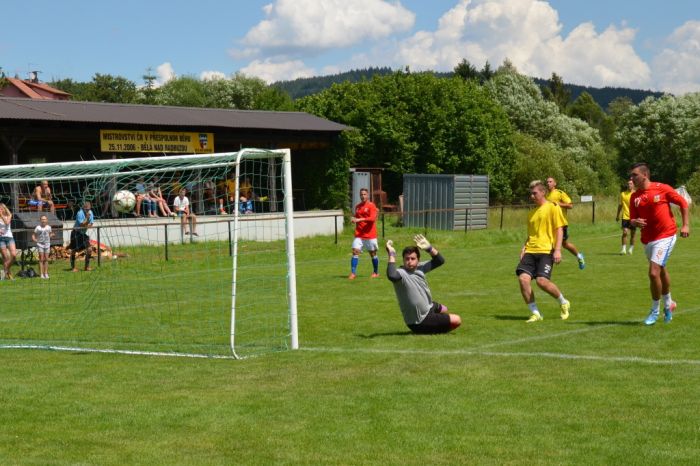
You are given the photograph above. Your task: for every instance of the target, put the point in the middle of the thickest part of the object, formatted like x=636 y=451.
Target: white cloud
x=271 y=71
x=529 y=34
x=295 y=28
x=211 y=75
x=677 y=67
x=164 y=73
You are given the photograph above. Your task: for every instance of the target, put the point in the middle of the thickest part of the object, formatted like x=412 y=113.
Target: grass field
x=600 y=388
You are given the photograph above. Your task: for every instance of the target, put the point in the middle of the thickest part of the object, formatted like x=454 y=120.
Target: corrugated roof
x=91 y=112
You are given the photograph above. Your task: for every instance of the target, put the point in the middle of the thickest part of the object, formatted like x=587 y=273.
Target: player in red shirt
x=365 y=221
x=650 y=210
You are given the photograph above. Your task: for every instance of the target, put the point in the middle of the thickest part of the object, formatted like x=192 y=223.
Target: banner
x=117 y=140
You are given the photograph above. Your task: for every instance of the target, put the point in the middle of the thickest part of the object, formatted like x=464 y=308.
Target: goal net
x=215 y=279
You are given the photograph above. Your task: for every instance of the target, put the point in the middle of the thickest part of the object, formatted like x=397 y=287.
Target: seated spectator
x=209 y=197
x=182 y=209
x=156 y=196
x=227 y=192
x=143 y=199
x=41 y=197
x=245 y=205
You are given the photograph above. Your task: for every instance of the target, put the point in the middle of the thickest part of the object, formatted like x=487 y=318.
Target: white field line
x=479 y=350
x=466 y=352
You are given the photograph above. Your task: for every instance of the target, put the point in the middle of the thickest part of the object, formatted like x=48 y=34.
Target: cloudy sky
x=647 y=44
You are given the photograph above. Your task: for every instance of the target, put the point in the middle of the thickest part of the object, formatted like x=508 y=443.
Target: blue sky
x=640 y=44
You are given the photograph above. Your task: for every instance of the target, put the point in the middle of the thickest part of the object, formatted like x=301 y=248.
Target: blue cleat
x=652 y=317
x=668 y=312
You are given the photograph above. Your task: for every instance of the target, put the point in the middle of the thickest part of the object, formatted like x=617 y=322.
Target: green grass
x=600 y=388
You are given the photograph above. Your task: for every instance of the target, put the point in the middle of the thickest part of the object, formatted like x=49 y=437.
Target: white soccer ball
x=124 y=201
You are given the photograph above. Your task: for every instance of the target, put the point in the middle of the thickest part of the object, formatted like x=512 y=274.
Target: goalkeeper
x=421 y=314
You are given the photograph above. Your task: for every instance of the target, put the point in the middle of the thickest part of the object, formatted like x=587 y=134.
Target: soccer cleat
x=623 y=252
x=565 y=310
x=535 y=318
x=351 y=276
x=581 y=262
x=652 y=317
x=630 y=251
x=375 y=275
x=668 y=312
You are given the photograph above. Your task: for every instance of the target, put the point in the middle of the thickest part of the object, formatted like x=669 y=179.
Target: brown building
x=45 y=130
x=30 y=89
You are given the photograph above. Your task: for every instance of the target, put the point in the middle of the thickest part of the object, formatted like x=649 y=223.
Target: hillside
x=306 y=86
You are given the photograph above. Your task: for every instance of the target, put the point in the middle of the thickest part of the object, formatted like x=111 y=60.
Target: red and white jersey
x=366 y=229
x=654 y=205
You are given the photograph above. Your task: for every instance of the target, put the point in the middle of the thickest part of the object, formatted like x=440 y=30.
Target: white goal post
x=219 y=282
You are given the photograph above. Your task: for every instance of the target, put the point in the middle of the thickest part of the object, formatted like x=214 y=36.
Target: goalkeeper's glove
x=390 y=248
x=423 y=243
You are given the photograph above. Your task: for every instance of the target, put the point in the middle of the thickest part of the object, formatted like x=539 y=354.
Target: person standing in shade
x=79 y=239
x=628 y=230
x=560 y=198
x=542 y=249
x=650 y=210
x=420 y=313
x=365 y=221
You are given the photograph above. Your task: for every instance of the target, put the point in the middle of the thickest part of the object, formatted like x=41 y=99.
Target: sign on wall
x=115 y=140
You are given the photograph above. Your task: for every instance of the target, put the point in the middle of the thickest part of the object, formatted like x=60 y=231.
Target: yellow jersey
x=557 y=196
x=625 y=204
x=542 y=225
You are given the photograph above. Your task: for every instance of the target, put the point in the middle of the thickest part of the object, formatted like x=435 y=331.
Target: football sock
x=655 y=305
x=375 y=264
x=353 y=264
x=561 y=299
x=667 y=300
x=533 y=308
x=579 y=255
x=624 y=250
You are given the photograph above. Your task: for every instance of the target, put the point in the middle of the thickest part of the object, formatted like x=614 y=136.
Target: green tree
x=147 y=94
x=184 y=91
x=113 y=89
x=557 y=92
x=418 y=123
x=665 y=133
x=587 y=109
x=585 y=163
x=466 y=70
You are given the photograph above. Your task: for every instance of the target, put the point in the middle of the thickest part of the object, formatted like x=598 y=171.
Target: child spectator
x=42 y=237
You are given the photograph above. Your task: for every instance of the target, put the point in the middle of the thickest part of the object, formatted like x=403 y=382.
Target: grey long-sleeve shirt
x=412 y=290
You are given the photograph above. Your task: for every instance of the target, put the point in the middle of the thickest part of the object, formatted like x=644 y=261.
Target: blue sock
x=353 y=264
x=375 y=264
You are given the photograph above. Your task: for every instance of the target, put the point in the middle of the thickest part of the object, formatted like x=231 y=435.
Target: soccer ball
x=124 y=201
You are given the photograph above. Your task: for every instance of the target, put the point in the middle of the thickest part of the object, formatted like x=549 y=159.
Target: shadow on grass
x=502 y=317
x=611 y=322
x=384 y=334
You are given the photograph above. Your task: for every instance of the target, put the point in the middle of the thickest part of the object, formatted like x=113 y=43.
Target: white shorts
x=660 y=250
x=362 y=244
x=45 y=248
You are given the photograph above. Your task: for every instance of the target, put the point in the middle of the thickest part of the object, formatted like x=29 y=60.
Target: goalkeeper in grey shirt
x=420 y=312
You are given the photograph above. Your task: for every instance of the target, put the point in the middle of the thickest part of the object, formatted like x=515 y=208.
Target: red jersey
x=368 y=228
x=653 y=205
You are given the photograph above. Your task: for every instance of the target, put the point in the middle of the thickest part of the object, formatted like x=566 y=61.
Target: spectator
x=42 y=237
x=41 y=197
x=182 y=209
x=7 y=242
x=79 y=239
x=156 y=196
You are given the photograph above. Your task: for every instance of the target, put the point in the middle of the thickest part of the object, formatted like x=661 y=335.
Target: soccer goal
x=219 y=282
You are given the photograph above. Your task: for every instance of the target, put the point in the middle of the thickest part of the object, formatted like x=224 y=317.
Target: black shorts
x=78 y=240
x=434 y=322
x=536 y=265
x=565 y=230
x=627 y=225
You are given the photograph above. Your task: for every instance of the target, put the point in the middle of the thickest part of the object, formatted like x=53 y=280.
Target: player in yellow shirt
x=542 y=249
x=627 y=228
x=560 y=198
